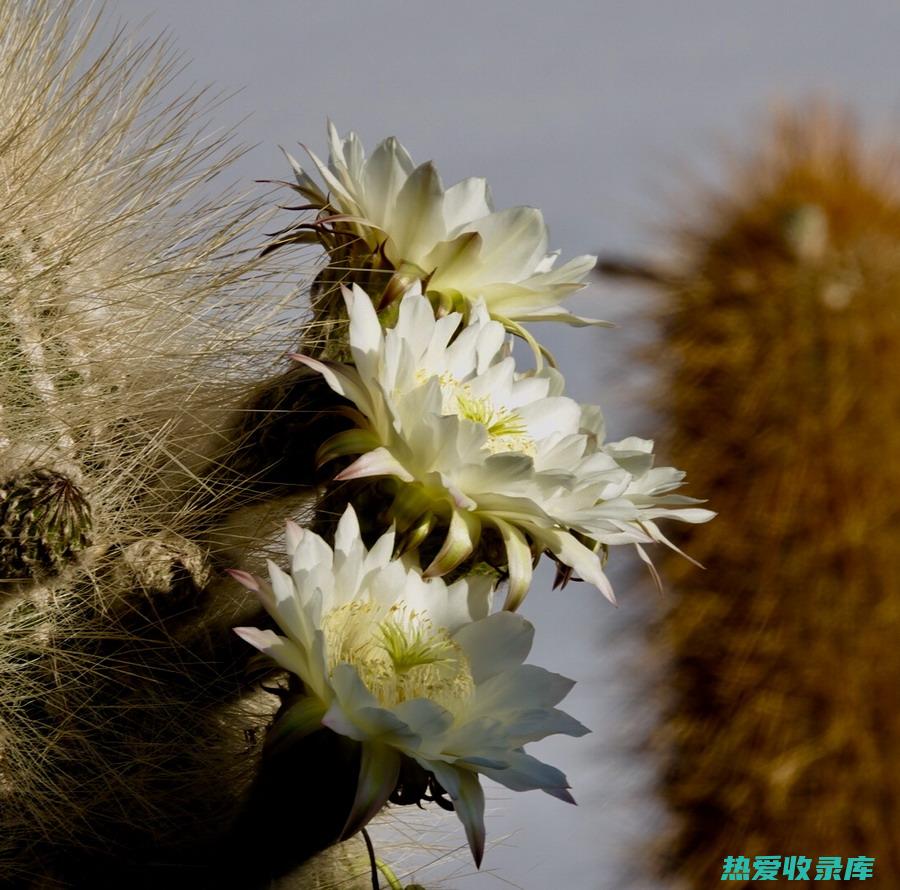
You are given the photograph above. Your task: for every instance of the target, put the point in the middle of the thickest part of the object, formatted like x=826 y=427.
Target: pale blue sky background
x=586 y=110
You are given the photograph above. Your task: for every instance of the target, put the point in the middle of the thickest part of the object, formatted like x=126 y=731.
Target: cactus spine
x=148 y=441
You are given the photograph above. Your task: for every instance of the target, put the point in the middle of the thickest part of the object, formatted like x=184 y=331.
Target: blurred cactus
x=148 y=441
x=782 y=327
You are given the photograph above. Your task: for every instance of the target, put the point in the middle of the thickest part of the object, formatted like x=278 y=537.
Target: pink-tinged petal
x=262 y=589
x=280 y=649
x=462 y=536
x=251 y=582
x=378 y=772
x=495 y=644
x=379 y=462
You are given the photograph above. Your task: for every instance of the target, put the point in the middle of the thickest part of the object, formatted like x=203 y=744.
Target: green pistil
x=498 y=422
x=408 y=651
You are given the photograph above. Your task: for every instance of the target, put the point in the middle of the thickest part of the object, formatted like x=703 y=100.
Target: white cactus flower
x=450 y=239
x=409 y=668
x=473 y=446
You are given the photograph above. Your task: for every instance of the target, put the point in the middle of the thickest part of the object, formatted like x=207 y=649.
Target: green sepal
x=349 y=442
x=301 y=719
x=462 y=538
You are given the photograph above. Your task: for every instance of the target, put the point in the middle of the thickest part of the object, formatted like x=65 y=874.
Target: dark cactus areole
x=45 y=523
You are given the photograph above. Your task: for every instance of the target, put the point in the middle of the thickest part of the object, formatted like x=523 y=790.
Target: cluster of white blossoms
x=409 y=667
x=477 y=469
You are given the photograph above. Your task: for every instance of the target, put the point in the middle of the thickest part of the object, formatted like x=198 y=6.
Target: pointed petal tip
x=513 y=599
x=245 y=579
x=560 y=792
x=248 y=635
x=378 y=462
x=294 y=530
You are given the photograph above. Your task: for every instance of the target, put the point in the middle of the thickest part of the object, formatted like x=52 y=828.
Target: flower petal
x=425 y=718
x=465 y=201
x=523 y=686
x=520 y=563
x=385 y=173
x=537 y=723
x=278 y=648
x=515 y=240
x=495 y=644
x=574 y=554
x=419 y=220
x=466 y=600
x=365 y=331
x=379 y=462
x=468 y=800
x=379 y=769
x=340 y=378
x=526 y=773
x=462 y=536
x=300 y=720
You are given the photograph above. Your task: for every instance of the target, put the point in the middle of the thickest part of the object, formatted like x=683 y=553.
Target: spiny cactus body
x=782 y=324
x=148 y=441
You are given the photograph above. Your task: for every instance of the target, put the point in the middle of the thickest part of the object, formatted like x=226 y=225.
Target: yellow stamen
x=398 y=654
